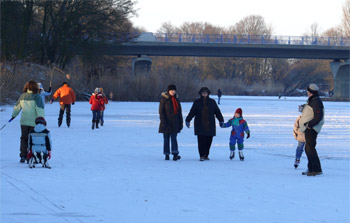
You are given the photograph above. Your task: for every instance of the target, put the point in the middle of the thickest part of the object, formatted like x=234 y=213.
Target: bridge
x=144 y=45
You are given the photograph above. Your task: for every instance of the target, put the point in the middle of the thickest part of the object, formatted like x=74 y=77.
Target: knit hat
x=40 y=120
x=97 y=90
x=40 y=86
x=171 y=87
x=239 y=111
x=313 y=88
x=204 y=89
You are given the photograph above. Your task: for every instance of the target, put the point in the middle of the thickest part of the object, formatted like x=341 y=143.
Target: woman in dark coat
x=204 y=110
x=171 y=121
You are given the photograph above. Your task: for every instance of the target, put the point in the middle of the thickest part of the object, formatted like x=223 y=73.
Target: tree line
x=65 y=33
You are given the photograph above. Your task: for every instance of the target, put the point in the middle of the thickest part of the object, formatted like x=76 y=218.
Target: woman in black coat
x=204 y=110
x=171 y=121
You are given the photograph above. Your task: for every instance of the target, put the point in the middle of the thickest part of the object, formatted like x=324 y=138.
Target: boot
x=312 y=174
x=23 y=159
x=176 y=157
x=96 y=124
x=167 y=157
x=60 y=118
x=241 y=157
x=296 y=163
x=93 y=124
x=232 y=154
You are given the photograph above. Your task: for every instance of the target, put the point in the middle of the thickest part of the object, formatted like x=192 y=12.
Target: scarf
x=235 y=121
x=175 y=105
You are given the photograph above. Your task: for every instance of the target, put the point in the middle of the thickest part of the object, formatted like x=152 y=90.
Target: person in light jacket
x=44 y=93
x=31 y=105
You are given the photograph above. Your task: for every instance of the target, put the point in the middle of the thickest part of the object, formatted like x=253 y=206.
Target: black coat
x=169 y=122
x=317 y=106
x=197 y=111
x=219 y=93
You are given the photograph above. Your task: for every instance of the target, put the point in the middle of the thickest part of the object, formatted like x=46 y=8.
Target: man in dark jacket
x=204 y=110
x=313 y=128
x=171 y=121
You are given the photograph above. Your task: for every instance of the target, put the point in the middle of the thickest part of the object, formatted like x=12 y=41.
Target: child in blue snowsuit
x=239 y=126
x=39 y=141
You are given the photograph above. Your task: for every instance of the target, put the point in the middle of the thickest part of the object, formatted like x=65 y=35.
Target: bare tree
x=346 y=18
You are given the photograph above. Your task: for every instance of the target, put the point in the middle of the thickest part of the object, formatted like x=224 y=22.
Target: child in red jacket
x=96 y=102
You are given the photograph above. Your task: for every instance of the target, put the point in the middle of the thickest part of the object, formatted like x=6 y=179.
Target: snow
x=118 y=173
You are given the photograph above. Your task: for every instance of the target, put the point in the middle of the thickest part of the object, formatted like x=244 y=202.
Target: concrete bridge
x=221 y=45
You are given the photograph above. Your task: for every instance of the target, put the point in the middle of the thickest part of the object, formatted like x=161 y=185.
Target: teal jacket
x=32 y=106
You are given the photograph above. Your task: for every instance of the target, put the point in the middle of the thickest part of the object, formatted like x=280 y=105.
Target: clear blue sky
x=287 y=17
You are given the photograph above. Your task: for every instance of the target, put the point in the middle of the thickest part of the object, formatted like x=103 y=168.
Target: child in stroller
x=39 y=144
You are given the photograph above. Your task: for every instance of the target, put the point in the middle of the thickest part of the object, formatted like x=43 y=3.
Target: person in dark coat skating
x=313 y=127
x=171 y=121
x=204 y=110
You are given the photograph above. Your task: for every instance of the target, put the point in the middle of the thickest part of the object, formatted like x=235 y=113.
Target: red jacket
x=105 y=101
x=96 y=102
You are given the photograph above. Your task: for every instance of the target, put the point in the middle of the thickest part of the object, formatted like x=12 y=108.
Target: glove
x=248 y=135
x=51 y=101
x=221 y=124
x=49 y=154
x=11 y=119
x=29 y=154
x=188 y=124
x=50 y=89
x=73 y=103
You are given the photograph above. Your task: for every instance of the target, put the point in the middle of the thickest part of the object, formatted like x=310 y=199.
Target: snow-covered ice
x=118 y=173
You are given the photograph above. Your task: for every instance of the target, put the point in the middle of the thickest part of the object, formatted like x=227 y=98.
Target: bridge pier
x=141 y=65
x=341 y=77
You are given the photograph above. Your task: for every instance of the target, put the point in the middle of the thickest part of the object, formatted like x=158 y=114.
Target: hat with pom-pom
x=40 y=120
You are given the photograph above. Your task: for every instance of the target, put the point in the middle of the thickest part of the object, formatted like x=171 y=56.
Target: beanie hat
x=97 y=90
x=204 y=89
x=40 y=86
x=171 y=87
x=239 y=111
x=313 y=88
x=40 y=120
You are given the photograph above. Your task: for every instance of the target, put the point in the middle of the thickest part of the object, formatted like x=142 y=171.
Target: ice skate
x=232 y=155
x=241 y=157
x=296 y=163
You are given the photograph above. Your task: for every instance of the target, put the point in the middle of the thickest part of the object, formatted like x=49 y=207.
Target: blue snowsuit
x=239 y=126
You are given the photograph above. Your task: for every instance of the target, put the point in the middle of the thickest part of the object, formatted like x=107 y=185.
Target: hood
x=167 y=96
x=39 y=128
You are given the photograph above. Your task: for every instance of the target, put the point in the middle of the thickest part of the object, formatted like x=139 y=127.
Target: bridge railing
x=252 y=39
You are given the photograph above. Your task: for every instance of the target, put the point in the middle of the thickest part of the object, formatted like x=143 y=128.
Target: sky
x=286 y=17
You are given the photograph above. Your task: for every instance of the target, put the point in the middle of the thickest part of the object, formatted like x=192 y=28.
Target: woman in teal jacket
x=32 y=107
